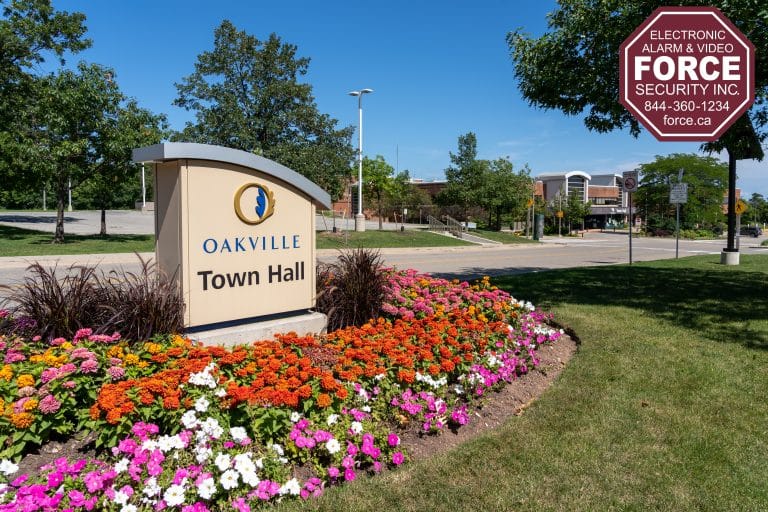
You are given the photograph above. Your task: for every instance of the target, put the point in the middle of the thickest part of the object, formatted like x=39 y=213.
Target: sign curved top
x=195 y=151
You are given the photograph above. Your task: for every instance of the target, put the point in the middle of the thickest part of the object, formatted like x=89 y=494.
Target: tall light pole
x=360 y=218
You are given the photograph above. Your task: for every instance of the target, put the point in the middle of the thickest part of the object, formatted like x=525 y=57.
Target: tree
x=504 y=191
x=758 y=209
x=576 y=210
x=378 y=176
x=78 y=133
x=29 y=31
x=404 y=194
x=246 y=95
x=707 y=183
x=465 y=176
x=112 y=172
x=575 y=67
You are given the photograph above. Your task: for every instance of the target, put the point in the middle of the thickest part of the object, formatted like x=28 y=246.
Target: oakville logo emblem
x=263 y=208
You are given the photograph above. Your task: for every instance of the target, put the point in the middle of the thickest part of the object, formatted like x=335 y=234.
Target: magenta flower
x=116 y=373
x=82 y=334
x=349 y=474
x=393 y=439
x=49 y=405
x=89 y=366
x=398 y=458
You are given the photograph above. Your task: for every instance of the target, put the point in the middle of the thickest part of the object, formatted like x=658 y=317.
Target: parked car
x=753 y=231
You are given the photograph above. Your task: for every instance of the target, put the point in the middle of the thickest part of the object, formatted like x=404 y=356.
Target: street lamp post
x=360 y=218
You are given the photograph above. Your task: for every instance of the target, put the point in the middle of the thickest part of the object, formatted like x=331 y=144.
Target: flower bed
x=194 y=428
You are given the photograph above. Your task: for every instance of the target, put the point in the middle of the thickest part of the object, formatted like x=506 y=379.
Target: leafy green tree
x=758 y=209
x=575 y=67
x=503 y=191
x=30 y=30
x=378 y=177
x=404 y=194
x=707 y=180
x=576 y=210
x=126 y=126
x=465 y=176
x=81 y=132
x=246 y=95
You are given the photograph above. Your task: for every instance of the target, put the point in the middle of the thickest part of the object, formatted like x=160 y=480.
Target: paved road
x=461 y=262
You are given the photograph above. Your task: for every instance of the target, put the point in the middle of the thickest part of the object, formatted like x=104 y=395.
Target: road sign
x=687 y=73
x=630 y=181
x=678 y=194
x=559 y=214
x=529 y=203
x=741 y=207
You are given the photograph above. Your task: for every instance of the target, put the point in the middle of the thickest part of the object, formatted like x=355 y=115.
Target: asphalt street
x=460 y=262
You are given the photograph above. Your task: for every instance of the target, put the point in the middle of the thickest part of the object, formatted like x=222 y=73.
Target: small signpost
x=678 y=194
x=629 y=183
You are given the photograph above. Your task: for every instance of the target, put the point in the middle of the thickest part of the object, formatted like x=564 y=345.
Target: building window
x=576 y=187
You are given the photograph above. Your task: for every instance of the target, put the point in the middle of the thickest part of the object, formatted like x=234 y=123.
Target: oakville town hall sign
x=236 y=229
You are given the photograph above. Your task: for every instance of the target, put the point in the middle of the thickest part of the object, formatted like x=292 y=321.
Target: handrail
x=455 y=227
x=435 y=224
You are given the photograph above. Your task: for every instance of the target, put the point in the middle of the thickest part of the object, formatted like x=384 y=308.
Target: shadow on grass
x=42 y=237
x=721 y=303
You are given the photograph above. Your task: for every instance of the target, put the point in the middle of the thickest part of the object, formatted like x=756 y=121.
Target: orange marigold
x=22 y=419
x=324 y=400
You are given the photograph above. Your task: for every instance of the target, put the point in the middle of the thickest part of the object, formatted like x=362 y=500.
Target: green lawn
x=663 y=408
x=381 y=239
x=25 y=242
x=505 y=237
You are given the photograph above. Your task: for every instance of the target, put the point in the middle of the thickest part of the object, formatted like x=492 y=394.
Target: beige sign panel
x=236 y=229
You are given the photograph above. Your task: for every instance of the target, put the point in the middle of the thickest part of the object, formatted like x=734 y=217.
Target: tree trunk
x=103 y=231
x=61 y=199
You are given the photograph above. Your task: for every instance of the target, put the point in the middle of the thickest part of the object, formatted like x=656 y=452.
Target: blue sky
x=438 y=70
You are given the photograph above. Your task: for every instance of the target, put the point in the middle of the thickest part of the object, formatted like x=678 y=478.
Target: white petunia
x=207 y=488
x=356 y=427
x=295 y=417
x=174 y=495
x=228 y=479
x=202 y=404
x=333 y=446
x=220 y=392
x=7 y=467
x=250 y=478
x=243 y=462
x=211 y=427
x=277 y=449
x=332 y=419
x=128 y=507
x=120 y=498
x=291 y=487
x=122 y=465
x=189 y=419
x=202 y=454
x=239 y=434
x=151 y=488
x=222 y=461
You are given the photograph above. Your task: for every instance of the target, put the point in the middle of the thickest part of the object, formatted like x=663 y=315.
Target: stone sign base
x=729 y=258
x=245 y=334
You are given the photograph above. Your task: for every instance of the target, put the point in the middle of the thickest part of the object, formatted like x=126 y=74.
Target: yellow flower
x=152 y=348
x=142 y=364
x=21 y=419
x=30 y=405
x=131 y=359
x=115 y=351
x=25 y=380
x=66 y=345
x=6 y=373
